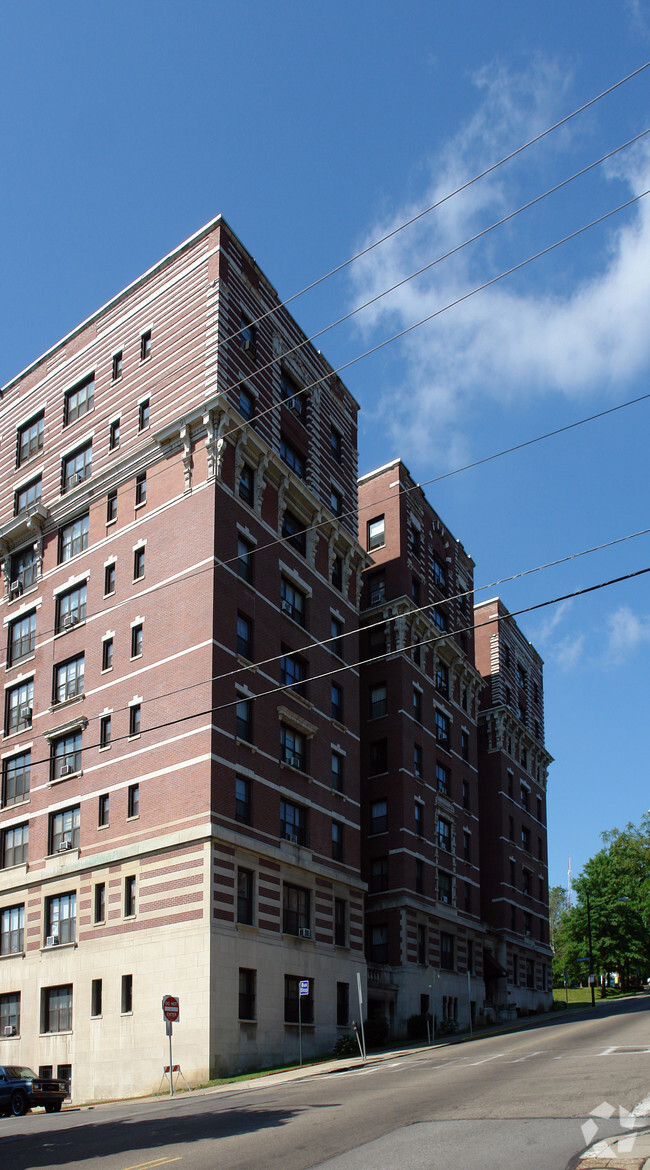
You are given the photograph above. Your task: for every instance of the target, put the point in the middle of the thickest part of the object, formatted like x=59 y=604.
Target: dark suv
x=21 y=1089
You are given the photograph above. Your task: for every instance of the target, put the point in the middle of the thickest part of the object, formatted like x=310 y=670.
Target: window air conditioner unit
x=66 y=770
x=65 y=845
x=246 y=342
x=69 y=620
x=15 y=589
x=288 y=835
x=78 y=477
x=9 y=1030
x=293 y=761
x=304 y=932
x=52 y=940
x=287 y=607
x=25 y=714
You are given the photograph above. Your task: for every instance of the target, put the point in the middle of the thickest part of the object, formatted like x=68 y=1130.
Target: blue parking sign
x=303 y=987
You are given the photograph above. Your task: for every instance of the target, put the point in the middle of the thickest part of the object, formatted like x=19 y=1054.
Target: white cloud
x=550 y=333
x=568 y=652
x=626 y=632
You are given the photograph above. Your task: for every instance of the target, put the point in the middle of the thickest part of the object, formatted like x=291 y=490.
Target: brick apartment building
x=512 y=808
x=199 y=782
x=180 y=769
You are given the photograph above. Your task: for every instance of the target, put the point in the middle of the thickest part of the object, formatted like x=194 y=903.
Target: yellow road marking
x=155 y=1162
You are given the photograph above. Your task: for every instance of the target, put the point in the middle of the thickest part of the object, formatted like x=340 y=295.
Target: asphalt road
x=532 y=1098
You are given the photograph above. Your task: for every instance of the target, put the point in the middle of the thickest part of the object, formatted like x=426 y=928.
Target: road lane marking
x=473 y=1063
x=154 y=1162
x=520 y=1059
x=642 y=1109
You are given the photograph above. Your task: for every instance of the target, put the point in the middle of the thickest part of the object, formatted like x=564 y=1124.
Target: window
x=15 y=842
x=56 y=1009
x=340 y=922
x=525 y=839
x=521 y=712
x=244 y=560
x=244 y=636
x=422 y=944
x=64 y=830
x=523 y=796
x=292 y=396
x=337 y=573
x=337 y=772
x=439 y=573
x=102 y=810
x=298 y=1006
x=513 y=872
x=114 y=434
x=30 y=439
x=417 y=704
x=342 y=1004
x=293 y=822
x=138 y=563
x=294 y=459
x=526 y=882
x=10 y=1013
x=126 y=997
x=129 y=896
x=511 y=829
x=336 y=445
x=245 y=888
x=379 y=943
x=22 y=638
x=65 y=756
x=293 y=748
x=18 y=707
x=442 y=779
x=417 y=760
x=77 y=467
x=109 y=578
x=137 y=634
x=96 y=997
x=417 y=816
x=61 y=919
x=248 y=336
x=376 y=533
x=378 y=816
x=12 y=930
x=336 y=635
x=145 y=345
x=111 y=507
x=133 y=801
x=23 y=571
x=79 y=400
x=415 y=540
x=528 y=930
x=292 y=601
x=27 y=496
x=467 y=846
x=378 y=875
x=116 y=366
x=336 y=502
x=143 y=414
x=530 y=972
x=68 y=679
x=464 y=745
x=444 y=887
x=140 y=489
x=71 y=608
x=377 y=589
x=378 y=701
x=442 y=679
x=444 y=835
x=378 y=757
x=521 y=676
x=293 y=672
x=439 y=618
x=244 y=719
x=16 y=778
x=446 y=951
x=247 y=983
x=442 y=729
x=74 y=538
x=376 y=641
x=337 y=841
x=295 y=909
x=465 y=794
x=246 y=403
x=337 y=702
x=135 y=712
x=104 y=731
x=107 y=654
x=247 y=484
x=294 y=532
x=243 y=800
x=415 y=590
x=506 y=656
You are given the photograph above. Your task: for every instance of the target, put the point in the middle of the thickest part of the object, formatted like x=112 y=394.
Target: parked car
x=21 y=1089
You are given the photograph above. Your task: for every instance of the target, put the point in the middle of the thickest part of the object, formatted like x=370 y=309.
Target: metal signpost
x=363 y=1036
x=303 y=989
x=171 y=1015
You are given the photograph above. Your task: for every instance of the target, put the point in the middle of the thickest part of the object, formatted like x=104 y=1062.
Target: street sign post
x=171 y=1014
x=303 y=989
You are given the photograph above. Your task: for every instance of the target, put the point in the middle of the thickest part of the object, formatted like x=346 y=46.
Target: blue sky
x=315 y=128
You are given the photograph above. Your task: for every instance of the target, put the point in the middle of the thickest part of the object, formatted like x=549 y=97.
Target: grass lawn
x=583 y=994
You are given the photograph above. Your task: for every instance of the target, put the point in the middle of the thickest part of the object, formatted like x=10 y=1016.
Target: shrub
x=446 y=1027
x=346 y=1046
x=416 y=1027
x=376 y=1032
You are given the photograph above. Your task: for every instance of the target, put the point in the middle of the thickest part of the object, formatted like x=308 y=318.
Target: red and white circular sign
x=171 y=1008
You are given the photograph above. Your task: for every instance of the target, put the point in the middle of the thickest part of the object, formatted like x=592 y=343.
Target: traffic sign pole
x=171 y=1013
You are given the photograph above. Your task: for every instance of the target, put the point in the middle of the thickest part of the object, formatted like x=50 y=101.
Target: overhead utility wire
x=445 y=199
x=213 y=710
x=423 y=610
